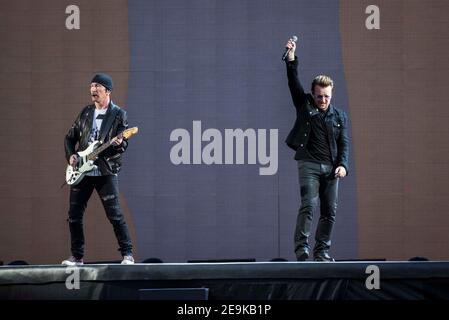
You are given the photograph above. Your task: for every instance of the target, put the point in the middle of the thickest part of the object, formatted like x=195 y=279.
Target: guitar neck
x=99 y=150
x=125 y=135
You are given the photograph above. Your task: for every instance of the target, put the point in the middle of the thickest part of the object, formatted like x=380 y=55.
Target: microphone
x=287 y=50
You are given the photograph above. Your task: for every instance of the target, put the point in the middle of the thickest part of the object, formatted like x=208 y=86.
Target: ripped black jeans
x=107 y=189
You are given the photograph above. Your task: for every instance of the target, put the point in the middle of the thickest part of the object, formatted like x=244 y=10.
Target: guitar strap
x=107 y=123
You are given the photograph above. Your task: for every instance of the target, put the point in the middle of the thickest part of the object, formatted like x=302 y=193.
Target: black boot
x=302 y=233
x=323 y=239
x=323 y=256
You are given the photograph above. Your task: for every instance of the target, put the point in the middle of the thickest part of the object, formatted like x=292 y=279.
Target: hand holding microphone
x=290 y=48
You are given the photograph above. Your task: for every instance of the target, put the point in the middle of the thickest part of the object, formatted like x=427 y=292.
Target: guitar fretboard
x=125 y=135
x=99 y=150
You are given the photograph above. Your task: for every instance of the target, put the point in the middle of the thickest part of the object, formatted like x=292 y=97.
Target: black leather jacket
x=336 y=122
x=109 y=161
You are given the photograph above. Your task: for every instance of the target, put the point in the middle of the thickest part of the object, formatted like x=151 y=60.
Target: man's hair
x=322 y=81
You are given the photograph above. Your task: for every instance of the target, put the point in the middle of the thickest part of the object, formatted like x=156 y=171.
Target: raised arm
x=296 y=89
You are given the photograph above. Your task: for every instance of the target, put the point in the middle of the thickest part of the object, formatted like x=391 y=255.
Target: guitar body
x=74 y=175
x=87 y=157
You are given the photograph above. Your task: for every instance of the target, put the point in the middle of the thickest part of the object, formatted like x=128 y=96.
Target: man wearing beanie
x=102 y=120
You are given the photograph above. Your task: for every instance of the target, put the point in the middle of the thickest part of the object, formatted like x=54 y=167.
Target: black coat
x=109 y=161
x=336 y=122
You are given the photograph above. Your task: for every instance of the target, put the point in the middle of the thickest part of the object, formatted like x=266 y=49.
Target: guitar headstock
x=130 y=132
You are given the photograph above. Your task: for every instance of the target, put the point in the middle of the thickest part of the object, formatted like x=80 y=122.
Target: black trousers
x=107 y=189
x=317 y=183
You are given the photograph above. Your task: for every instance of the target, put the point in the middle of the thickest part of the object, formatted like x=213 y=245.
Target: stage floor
x=367 y=280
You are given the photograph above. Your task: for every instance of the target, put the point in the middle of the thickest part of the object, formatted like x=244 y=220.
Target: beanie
x=103 y=79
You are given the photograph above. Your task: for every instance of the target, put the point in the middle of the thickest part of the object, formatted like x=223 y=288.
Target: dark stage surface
x=229 y=281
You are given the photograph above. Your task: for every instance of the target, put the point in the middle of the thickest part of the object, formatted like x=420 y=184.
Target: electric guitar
x=87 y=157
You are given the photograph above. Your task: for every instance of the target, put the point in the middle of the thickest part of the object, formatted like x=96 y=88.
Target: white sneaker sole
x=71 y=264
